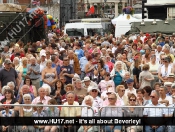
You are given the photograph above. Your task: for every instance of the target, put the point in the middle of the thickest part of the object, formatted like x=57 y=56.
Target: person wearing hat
x=131 y=89
x=87 y=82
x=8 y=74
x=171 y=78
x=168 y=86
x=93 y=91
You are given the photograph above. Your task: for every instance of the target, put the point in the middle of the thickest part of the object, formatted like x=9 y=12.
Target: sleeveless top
x=28 y=112
x=50 y=77
x=24 y=72
x=165 y=73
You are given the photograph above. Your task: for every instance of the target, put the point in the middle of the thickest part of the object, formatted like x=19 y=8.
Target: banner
x=87 y=121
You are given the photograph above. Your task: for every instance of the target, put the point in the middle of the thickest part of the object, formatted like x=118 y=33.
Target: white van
x=83 y=29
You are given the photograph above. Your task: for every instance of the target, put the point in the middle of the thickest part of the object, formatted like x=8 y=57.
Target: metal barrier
x=109 y=111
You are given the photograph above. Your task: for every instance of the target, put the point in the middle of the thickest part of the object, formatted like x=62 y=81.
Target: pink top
x=104 y=84
x=31 y=89
x=1 y=97
x=110 y=65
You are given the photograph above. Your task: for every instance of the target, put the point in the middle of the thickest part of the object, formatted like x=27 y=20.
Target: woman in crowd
x=111 y=111
x=133 y=112
x=26 y=111
x=7 y=113
x=165 y=70
x=89 y=68
x=147 y=93
x=145 y=77
x=154 y=69
x=136 y=72
x=60 y=87
x=49 y=76
x=52 y=112
x=24 y=70
x=117 y=73
x=99 y=70
x=68 y=88
x=106 y=83
x=28 y=82
x=88 y=112
x=18 y=66
x=9 y=99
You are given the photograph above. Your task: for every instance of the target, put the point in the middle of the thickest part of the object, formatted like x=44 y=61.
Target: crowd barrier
x=114 y=116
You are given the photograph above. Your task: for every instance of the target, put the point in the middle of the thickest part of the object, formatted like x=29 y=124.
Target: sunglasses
x=94 y=90
x=166 y=61
x=152 y=96
x=108 y=93
x=27 y=99
x=123 y=90
x=132 y=100
x=111 y=98
x=65 y=60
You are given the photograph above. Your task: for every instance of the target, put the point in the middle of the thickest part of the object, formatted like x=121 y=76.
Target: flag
x=36 y=2
x=91 y=11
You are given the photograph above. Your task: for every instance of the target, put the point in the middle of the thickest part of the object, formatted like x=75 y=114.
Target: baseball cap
x=7 y=61
x=129 y=81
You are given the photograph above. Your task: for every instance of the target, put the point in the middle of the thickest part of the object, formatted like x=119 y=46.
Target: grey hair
x=117 y=62
x=78 y=80
x=27 y=95
x=4 y=88
x=167 y=46
x=127 y=72
x=70 y=92
x=11 y=83
x=16 y=58
x=154 y=91
x=88 y=97
x=164 y=87
x=47 y=87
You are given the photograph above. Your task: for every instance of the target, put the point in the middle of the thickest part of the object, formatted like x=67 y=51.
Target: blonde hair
x=23 y=59
x=118 y=87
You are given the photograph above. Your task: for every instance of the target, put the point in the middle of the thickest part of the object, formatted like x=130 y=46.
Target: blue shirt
x=58 y=68
x=79 y=53
x=83 y=62
x=106 y=68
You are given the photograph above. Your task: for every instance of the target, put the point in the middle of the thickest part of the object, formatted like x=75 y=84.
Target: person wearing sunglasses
x=121 y=97
x=154 y=112
x=111 y=111
x=133 y=112
x=93 y=91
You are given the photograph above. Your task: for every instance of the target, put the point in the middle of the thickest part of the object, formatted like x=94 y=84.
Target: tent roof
x=160 y=27
x=122 y=17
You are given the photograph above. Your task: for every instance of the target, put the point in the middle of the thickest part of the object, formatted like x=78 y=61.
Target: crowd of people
x=96 y=71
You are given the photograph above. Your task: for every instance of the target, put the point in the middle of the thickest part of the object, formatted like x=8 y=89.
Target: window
x=75 y=32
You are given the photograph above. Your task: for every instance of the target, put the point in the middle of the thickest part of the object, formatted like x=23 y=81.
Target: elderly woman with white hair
x=47 y=89
x=26 y=111
x=49 y=76
x=117 y=73
x=88 y=112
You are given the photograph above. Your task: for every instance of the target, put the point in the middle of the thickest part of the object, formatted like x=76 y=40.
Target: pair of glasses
x=65 y=60
x=111 y=98
x=123 y=90
x=27 y=99
x=152 y=96
x=94 y=90
x=132 y=100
